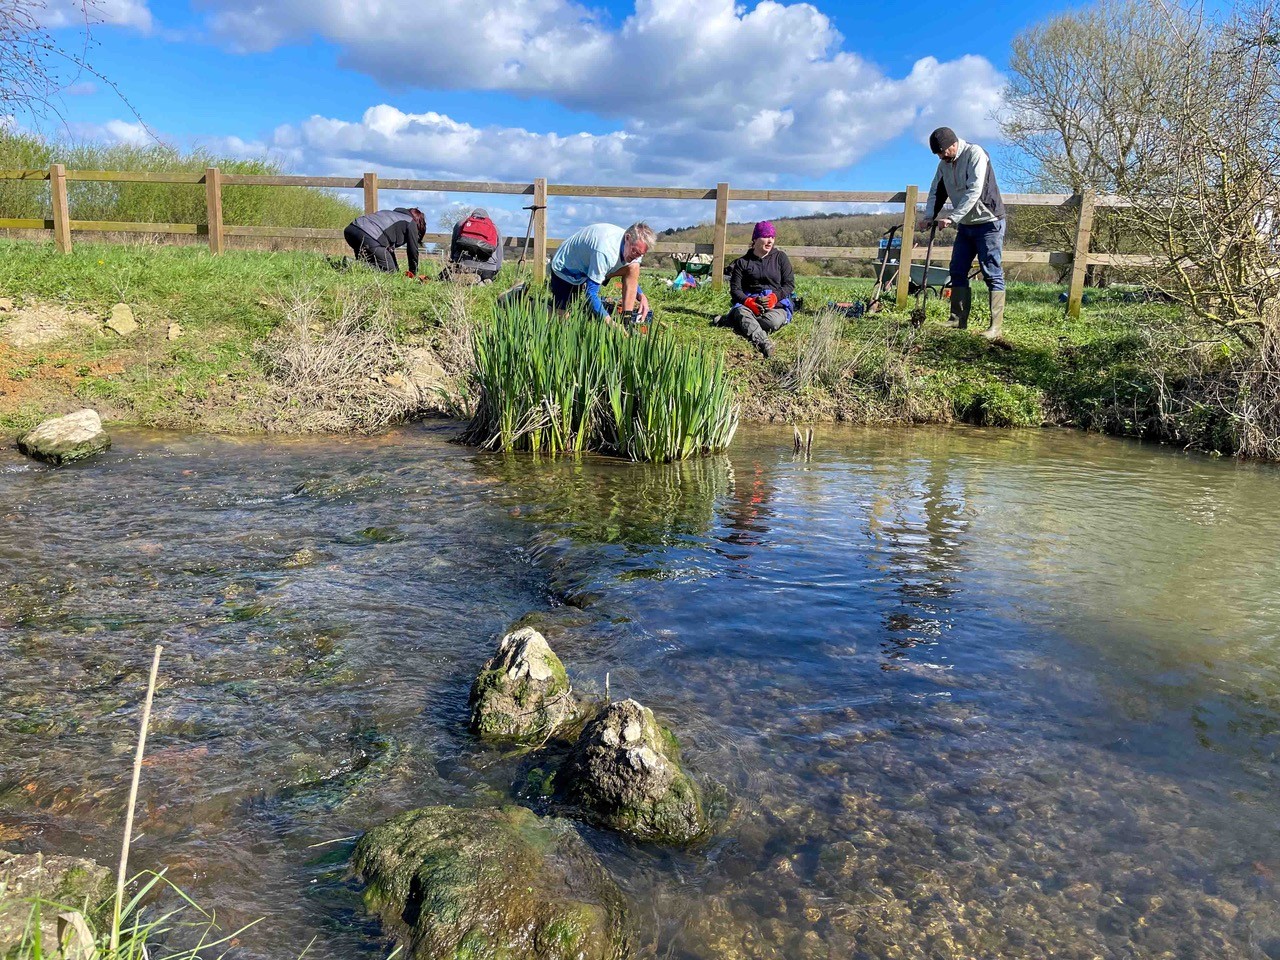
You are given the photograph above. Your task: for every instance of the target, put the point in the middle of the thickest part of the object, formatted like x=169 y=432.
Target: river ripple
x=969 y=693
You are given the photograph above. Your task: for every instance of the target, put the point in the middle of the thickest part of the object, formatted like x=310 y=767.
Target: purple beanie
x=763 y=229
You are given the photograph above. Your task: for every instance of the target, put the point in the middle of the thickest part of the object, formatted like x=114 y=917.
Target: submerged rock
x=65 y=439
x=625 y=774
x=522 y=692
x=78 y=885
x=491 y=884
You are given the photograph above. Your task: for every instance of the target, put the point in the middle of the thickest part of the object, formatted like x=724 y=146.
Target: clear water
x=970 y=693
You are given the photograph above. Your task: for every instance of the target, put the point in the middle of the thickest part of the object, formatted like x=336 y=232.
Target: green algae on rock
x=72 y=883
x=522 y=693
x=496 y=884
x=625 y=774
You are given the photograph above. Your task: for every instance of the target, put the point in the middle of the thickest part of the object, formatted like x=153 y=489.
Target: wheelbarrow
x=693 y=264
x=935 y=277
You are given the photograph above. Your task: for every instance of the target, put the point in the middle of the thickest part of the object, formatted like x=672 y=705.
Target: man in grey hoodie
x=965 y=177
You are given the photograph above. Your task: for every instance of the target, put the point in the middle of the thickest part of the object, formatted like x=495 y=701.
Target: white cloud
x=434 y=146
x=84 y=88
x=113 y=131
x=701 y=90
x=81 y=13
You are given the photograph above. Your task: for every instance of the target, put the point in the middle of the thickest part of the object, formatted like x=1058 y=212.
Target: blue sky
x=681 y=92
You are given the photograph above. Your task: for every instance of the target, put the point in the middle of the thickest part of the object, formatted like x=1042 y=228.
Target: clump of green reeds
x=571 y=384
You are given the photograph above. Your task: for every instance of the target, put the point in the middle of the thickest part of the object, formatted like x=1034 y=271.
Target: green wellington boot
x=961 y=304
x=997 y=314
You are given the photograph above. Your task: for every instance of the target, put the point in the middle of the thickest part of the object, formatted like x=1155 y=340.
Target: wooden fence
x=539 y=191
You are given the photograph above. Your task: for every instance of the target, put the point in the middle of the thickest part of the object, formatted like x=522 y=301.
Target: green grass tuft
x=140 y=934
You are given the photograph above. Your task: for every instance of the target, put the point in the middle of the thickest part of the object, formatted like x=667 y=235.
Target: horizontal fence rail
x=538 y=243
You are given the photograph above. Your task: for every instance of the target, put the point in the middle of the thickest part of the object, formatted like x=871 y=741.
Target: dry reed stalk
x=133 y=799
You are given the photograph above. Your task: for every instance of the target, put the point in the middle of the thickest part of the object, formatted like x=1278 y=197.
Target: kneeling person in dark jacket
x=761 y=282
x=374 y=237
x=476 y=246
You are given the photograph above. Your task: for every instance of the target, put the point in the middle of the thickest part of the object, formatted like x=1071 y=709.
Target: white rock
x=64 y=439
x=642 y=758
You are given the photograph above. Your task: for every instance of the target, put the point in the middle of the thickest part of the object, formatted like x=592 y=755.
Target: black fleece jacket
x=403 y=233
x=750 y=275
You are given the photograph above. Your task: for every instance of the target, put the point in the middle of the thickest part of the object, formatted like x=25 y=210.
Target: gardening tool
x=918 y=314
x=528 y=229
x=631 y=320
x=873 y=304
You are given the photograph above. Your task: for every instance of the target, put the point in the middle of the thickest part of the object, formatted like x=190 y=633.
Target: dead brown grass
x=343 y=372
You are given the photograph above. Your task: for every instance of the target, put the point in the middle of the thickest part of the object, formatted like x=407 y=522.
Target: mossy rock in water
x=70 y=882
x=498 y=884
x=625 y=774
x=522 y=693
x=66 y=439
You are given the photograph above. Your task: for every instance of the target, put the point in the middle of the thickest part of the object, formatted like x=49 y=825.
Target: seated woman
x=374 y=237
x=760 y=286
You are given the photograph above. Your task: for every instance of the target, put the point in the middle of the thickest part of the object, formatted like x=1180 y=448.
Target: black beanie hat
x=942 y=138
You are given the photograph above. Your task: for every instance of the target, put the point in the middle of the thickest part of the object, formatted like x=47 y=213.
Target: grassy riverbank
x=249 y=323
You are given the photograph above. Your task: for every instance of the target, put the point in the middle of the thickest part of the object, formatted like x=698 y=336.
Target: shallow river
x=967 y=693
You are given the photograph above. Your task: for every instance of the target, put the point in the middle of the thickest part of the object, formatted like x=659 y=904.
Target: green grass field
x=1097 y=372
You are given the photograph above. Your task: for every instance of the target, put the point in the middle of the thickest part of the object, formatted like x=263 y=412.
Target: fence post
x=370 y=192
x=61 y=208
x=540 y=230
x=213 y=206
x=909 y=215
x=720 y=237
x=1080 y=254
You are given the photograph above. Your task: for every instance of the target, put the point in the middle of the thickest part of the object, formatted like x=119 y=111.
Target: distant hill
x=843 y=230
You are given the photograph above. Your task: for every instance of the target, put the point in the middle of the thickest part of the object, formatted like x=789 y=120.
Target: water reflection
x=605 y=501
x=918 y=525
x=747 y=510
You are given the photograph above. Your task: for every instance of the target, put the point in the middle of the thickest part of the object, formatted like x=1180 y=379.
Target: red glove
x=771 y=301
x=751 y=304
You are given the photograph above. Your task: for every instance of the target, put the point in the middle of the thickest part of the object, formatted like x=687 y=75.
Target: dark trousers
x=369 y=250
x=757 y=329
x=984 y=241
x=563 y=293
x=481 y=268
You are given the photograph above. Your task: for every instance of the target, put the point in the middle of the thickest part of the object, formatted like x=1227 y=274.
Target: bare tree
x=1206 y=202
x=36 y=67
x=1082 y=87
x=1180 y=113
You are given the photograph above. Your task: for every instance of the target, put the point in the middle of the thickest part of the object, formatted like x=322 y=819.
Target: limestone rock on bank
x=522 y=693
x=65 y=439
x=121 y=321
x=498 y=883
x=625 y=774
x=71 y=882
